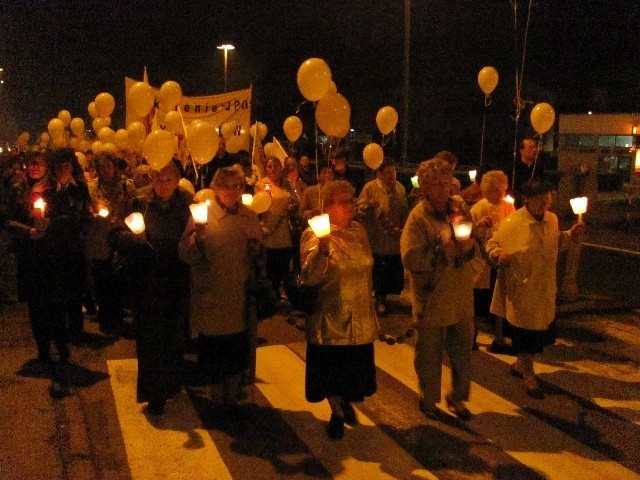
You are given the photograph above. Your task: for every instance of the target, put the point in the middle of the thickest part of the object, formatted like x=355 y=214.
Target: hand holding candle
x=247 y=199
x=320 y=225
x=39 y=207
x=135 y=222
x=200 y=212
x=579 y=206
x=462 y=230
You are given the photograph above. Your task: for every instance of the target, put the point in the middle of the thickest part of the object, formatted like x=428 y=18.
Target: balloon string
x=487 y=100
x=535 y=162
x=484 y=123
x=186 y=139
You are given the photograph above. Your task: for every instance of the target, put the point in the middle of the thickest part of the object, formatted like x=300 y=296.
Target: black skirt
x=344 y=371
x=528 y=341
x=222 y=356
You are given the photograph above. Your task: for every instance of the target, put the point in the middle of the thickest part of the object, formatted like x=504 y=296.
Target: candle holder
x=247 y=199
x=579 y=206
x=414 y=182
x=472 y=175
x=320 y=225
x=135 y=222
x=39 y=206
x=509 y=199
x=462 y=230
x=199 y=212
x=103 y=212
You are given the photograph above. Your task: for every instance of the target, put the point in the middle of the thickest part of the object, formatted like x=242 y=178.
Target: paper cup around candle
x=247 y=199
x=462 y=230
x=414 y=182
x=320 y=225
x=103 y=212
x=579 y=206
x=135 y=222
x=509 y=199
x=472 y=175
x=200 y=212
x=39 y=206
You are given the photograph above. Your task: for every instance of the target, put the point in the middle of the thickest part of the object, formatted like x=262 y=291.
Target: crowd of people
x=465 y=255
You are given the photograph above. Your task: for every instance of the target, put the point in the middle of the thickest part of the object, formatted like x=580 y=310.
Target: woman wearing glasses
x=220 y=253
x=340 y=333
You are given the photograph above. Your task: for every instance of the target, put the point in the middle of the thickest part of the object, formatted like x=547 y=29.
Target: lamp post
x=225 y=48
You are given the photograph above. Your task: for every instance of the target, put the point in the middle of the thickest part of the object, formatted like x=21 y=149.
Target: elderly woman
x=384 y=204
x=341 y=331
x=54 y=241
x=113 y=192
x=525 y=249
x=276 y=228
x=442 y=276
x=221 y=257
x=487 y=214
x=160 y=288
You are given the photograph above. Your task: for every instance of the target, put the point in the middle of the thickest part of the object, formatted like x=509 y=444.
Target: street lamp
x=225 y=47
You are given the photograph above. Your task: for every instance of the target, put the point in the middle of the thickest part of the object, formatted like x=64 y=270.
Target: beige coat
x=442 y=288
x=220 y=264
x=525 y=292
x=497 y=213
x=346 y=310
x=387 y=212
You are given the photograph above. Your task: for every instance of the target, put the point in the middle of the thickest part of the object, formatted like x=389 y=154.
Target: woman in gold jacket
x=341 y=331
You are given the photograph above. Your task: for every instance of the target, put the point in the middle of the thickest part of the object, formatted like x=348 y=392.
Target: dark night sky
x=581 y=55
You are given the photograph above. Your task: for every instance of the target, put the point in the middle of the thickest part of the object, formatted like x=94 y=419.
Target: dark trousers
x=109 y=294
x=278 y=261
x=48 y=323
x=388 y=275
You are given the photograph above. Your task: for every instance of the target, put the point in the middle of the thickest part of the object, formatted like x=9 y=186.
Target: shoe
x=430 y=410
x=350 y=417
x=335 y=427
x=458 y=408
x=58 y=391
x=156 y=407
x=514 y=372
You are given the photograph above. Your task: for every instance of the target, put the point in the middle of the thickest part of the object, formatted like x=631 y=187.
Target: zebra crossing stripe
x=365 y=452
x=556 y=455
x=174 y=446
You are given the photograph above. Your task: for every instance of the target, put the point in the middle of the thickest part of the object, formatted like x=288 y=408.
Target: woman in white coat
x=525 y=249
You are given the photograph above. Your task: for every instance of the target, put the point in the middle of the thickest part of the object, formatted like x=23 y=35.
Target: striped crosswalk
x=280 y=435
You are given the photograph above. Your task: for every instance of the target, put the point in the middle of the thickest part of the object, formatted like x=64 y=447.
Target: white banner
x=215 y=109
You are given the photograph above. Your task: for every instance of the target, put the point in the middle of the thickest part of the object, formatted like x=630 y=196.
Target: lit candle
x=320 y=225
x=462 y=230
x=103 y=212
x=39 y=206
x=509 y=199
x=472 y=175
x=200 y=212
x=135 y=222
x=414 y=182
x=579 y=206
x=247 y=199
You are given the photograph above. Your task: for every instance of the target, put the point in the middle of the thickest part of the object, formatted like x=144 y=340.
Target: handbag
x=303 y=298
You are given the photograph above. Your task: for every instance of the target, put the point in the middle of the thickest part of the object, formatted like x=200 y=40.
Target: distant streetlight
x=225 y=47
